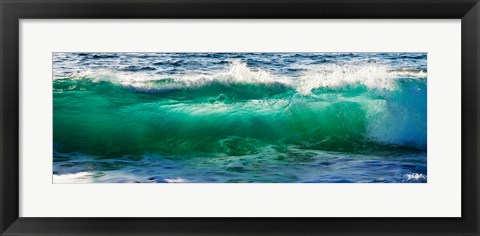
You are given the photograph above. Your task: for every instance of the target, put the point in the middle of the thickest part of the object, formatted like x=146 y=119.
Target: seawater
x=240 y=117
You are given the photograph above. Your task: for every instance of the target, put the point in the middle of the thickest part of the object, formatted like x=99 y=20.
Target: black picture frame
x=12 y=11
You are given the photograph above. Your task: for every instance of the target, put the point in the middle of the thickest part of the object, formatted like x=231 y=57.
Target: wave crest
x=371 y=76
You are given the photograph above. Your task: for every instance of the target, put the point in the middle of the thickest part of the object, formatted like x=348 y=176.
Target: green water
x=110 y=120
x=245 y=117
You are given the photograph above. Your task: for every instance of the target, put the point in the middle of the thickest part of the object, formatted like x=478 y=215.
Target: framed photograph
x=244 y=117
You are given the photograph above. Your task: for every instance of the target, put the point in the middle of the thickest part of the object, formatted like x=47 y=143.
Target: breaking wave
x=371 y=76
x=351 y=107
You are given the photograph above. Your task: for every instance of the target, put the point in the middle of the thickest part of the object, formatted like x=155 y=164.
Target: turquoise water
x=240 y=117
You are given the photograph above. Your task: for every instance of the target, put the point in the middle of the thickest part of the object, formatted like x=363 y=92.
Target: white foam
x=97 y=75
x=339 y=76
x=409 y=74
x=77 y=178
x=237 y=73
x=176 y=180
x=371 y=75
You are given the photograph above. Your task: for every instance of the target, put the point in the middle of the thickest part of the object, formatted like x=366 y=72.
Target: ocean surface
x=240 y=117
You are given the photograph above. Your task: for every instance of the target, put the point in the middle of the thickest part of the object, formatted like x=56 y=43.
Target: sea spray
x=214 y=109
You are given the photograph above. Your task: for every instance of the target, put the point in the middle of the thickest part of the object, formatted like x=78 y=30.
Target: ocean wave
x=217 y=123
x=328 y=107
x=371 y=76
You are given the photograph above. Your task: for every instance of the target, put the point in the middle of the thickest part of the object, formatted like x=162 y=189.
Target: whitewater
x=240 y=117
